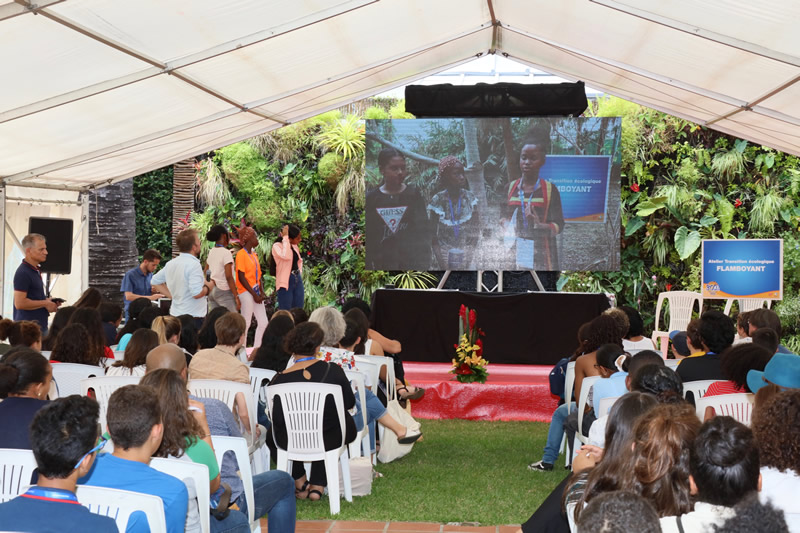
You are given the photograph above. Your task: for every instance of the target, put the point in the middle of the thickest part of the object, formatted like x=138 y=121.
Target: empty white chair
x=738 y=406
x=16 y=468
x=103 y=387
x=195 y=477
x=238 y=446
x=681 y=305
x=120 y=504
x=68 y=376
x=746 y=304
x=303 y=405
x=226 y=391
x=697 y=388
x=361 y=444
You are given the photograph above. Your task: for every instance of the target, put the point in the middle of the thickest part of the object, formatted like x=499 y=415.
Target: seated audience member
x=304 y=342
x=645 y=357
x=610 y=358
x=111 y=316
x=331 y=320
x=63 y=434
x=602 y=330
x=135 y=426
x=20 y=333
x=132 y=321
x=752 y=515
x=621 y=318
x=736 y=362
x=271 y=354
x=782 y=370
x=723 y=471
x=742 y=328
x=656 y=464
x=71 y=347
x=25 y=378
x=766 y=338
x=187 y=432
x=221 y=361
x=680 y=345
x=619 y=512
x=91 y=298
x=776 y=426
x=90 y=319
x=716 y=334
x=133 y=362
x=766 y=318
x=60 y=321
x=299 y=315
x=634 y=340
x=168 y=329
x=189 y=337
x=207 y=336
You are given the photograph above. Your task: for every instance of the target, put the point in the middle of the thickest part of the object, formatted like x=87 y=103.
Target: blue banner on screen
x=745 y=268
x=583 y=183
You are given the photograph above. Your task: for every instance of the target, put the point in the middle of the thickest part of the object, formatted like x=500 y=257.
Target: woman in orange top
x=248 y=283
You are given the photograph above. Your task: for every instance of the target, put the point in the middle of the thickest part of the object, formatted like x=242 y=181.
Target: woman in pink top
x=286 y=265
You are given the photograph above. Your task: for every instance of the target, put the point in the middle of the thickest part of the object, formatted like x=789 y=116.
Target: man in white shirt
x=182 y=278
x=723 y=470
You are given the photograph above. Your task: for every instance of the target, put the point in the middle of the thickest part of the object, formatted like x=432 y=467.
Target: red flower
x=308 y=253
x=738 y=203
x=479 y=344
x=635 y=187
x=481 y=332
x=463 y=311
x=455 y=346
x=464 y=369
x=669 y=286
x=472 y=318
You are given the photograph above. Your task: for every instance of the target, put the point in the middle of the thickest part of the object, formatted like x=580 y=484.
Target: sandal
x=317 y=493
x=409 y=439
x=298 y=492
x=418 y=393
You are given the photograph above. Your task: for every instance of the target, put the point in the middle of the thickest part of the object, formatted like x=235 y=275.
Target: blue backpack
x=558 y=378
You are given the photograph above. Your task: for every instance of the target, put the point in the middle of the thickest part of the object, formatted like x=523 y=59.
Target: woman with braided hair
x=454 y=217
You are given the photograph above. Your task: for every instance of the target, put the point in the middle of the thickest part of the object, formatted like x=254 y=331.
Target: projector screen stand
x=497 y=287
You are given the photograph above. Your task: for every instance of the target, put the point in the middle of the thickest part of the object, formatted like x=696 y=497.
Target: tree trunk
x=183 y=192
x=474 y=168
x=112 y=238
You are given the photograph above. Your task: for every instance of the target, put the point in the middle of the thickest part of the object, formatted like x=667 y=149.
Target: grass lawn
x=463 y=471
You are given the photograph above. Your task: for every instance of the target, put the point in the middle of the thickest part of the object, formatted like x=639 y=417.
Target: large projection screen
x=493 y=194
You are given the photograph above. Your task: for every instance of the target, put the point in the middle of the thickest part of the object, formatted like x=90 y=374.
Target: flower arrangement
x=469 y=366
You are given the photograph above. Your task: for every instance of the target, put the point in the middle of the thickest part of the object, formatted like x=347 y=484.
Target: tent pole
x=84 y=241
x=3 y=248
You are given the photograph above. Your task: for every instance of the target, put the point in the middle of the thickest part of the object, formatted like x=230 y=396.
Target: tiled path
x=342 y=526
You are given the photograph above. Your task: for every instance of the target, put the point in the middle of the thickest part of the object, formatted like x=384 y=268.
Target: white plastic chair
x=606 y=404
x=238 y=446
x=303 y=405
x=47 y=354
x=746 y=304
x=257 y=377
x=195 y=474
x=697 y=388
x=119 y=356
x=104 y=387
x=68 y=376
x=586 y=386
x=362 y=438
x=672 y=363
x=739 y=406
x=16 y=468
x=569 y=384
x=388 y=362
x=226 y=391
x=120 y=504
x=681 y=305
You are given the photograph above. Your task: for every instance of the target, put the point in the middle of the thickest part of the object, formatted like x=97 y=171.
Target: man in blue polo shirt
x=63 y=437
x=136 y=282
x=134 y=423
x=30 y=300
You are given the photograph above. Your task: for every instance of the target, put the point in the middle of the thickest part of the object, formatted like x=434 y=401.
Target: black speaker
x=58 y=232
x=496 y=100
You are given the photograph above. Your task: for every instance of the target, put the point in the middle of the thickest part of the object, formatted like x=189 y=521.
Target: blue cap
x=782 y=370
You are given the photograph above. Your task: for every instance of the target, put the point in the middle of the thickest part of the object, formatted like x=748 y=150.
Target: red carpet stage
x=512 y=392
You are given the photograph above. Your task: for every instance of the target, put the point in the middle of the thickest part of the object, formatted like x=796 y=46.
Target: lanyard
x=522 y=199
x=305 y=359
x=457 y=213
x=41 y=493
x=256 y=265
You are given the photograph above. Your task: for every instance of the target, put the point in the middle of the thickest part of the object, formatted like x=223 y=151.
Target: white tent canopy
x=96 y=91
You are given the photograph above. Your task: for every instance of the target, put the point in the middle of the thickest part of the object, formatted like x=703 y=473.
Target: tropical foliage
x=152 y=196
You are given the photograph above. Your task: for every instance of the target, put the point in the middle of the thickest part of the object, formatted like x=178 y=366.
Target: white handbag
x=390 y=448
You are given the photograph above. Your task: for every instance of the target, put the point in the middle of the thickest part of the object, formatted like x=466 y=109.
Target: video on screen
x=537 y=193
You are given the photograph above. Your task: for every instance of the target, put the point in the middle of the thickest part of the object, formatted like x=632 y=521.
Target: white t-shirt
x=782 y=488
x=137 y=371
x=218 y=257
x=637 y=346
x=700 y=520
